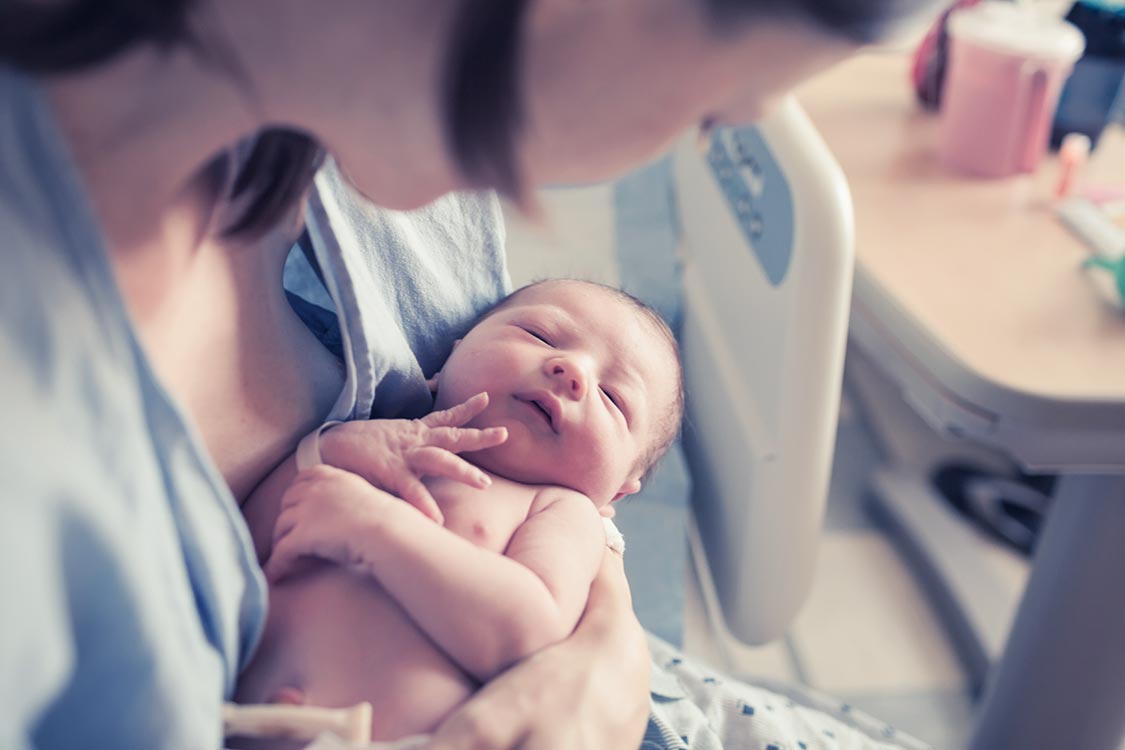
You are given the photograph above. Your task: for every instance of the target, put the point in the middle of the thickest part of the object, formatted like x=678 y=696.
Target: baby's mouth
x=546 y=409
x=544 y=412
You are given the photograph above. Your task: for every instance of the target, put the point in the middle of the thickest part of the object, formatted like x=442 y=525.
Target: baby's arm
x=485 y=610
x=488 y=611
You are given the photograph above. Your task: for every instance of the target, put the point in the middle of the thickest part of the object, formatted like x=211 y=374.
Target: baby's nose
x=570 y=376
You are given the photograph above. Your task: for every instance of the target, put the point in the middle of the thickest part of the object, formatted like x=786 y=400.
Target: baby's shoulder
x=561 y=499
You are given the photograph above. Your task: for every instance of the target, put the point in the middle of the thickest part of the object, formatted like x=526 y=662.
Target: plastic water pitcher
x=1007 y=64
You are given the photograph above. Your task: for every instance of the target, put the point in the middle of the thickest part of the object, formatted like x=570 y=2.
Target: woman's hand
x=589 y=691
x=394 y=454
x=328 y=514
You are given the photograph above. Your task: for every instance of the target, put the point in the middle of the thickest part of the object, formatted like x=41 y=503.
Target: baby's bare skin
x=427 y=597
x=336 y=637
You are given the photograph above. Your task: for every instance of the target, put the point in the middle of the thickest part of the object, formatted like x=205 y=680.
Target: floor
x=867 y=634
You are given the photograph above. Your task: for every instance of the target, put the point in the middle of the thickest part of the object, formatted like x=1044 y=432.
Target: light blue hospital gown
x=128 y=583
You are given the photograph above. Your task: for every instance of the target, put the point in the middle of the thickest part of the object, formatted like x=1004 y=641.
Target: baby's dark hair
x=670 y=426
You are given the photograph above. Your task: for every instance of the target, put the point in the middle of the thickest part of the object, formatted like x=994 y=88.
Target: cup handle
x=1033 y=92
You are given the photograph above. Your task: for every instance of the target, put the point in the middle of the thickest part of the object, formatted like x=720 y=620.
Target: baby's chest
x=488 y=518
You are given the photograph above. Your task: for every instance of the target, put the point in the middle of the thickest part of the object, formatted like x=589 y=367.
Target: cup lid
x=1019 y=29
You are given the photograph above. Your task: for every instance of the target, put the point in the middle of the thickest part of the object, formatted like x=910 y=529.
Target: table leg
x=1061 y=681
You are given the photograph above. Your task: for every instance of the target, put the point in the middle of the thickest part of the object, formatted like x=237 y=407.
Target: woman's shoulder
x=103 y=482
x=111 y=521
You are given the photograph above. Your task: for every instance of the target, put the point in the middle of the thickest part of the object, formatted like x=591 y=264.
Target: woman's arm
x=589 y=691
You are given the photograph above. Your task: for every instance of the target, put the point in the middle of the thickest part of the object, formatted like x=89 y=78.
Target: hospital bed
x=766 y=233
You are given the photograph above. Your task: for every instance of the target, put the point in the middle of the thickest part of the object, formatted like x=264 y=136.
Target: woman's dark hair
x=272 y=179
x=44 y=37
x=483 y=115
x=857 y=21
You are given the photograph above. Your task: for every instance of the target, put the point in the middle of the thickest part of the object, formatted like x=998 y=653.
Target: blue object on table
x=1093 y=96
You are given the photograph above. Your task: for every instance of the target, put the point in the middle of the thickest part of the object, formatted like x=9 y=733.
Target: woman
x=135 y=589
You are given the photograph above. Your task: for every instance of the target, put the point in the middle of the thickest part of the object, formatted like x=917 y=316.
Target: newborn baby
x=573 y=391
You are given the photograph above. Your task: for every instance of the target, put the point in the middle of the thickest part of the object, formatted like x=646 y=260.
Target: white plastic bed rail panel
x=768 y=250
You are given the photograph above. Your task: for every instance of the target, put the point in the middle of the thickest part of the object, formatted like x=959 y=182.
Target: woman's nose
x=569 y=376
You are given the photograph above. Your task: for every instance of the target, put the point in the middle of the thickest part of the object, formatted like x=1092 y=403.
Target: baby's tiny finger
x=490 y=437
x=464 y=439
x=455 y=416
x=436 y=462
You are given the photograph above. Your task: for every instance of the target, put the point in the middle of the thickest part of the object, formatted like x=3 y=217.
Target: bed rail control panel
x=757 y=194
x=767 y=249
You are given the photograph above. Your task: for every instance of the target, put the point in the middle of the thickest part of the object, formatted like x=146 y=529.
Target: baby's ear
x=630 y=487
x=433 y=381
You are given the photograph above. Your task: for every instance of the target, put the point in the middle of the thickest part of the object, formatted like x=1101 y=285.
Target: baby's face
x=583 y=381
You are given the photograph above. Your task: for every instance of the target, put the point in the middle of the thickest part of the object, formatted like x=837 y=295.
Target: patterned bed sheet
x=694 y=708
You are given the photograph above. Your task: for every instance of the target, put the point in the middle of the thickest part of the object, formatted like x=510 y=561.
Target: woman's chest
x=251 y=377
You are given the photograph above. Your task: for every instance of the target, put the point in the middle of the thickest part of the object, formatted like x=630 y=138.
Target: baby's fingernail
x=484 y=480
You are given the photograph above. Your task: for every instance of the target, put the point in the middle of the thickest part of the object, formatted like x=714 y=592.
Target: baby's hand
x=394 y=454
x=327 y=514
